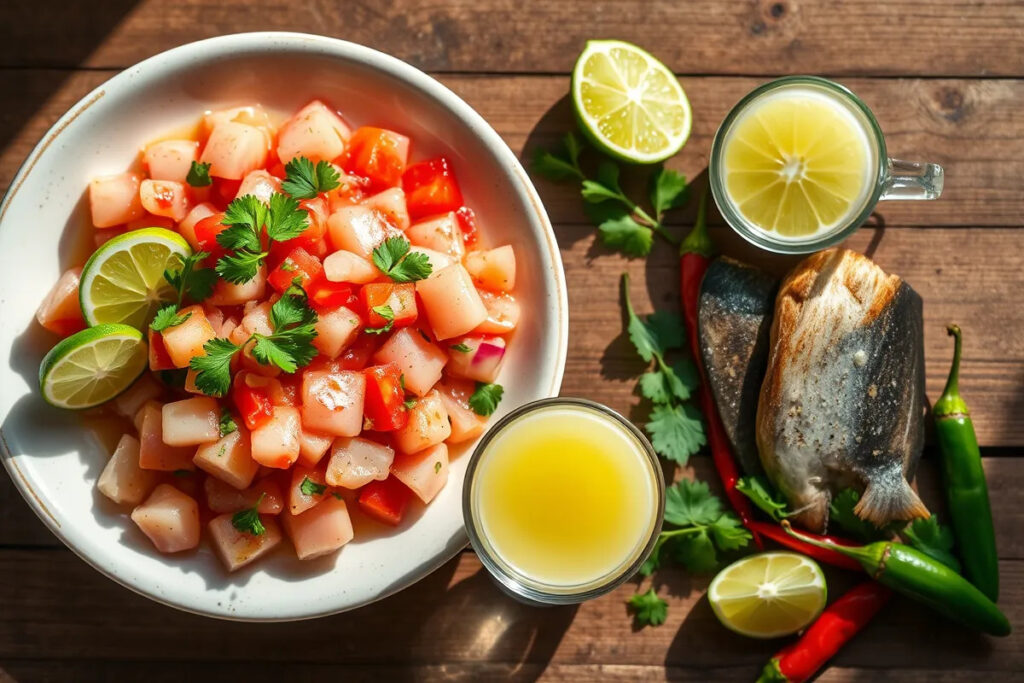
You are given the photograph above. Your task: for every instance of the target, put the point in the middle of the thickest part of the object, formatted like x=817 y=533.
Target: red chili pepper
x=840 y=622
x=777 y=534
x=694 y=256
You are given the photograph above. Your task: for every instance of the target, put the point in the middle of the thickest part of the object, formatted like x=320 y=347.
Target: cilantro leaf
x=227 y=423
x=198 y=175
x=291 y=309
x=665 y=384
x=240 y=266
x=303 y=180
x=393 y=259
x=762 y=495
x=245 y=218
x=286 y=219
x=460 y=347
x=618 y=230
x=485 y=398
x=409 y=403
x=729 y=533
x=561 y=165
x=648 y=609
x=213 y=369
x=661 y=332
x=311 y=488
x=677 y=432
x=168 y=317
x=842 y=515
x=248 y=520
x=389 y=318
x=932 y=539
x=668 y=191
x=291 y=345
x=696 y=552
x=691 y=503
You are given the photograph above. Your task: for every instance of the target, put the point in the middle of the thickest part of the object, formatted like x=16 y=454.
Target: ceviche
x=320 y=319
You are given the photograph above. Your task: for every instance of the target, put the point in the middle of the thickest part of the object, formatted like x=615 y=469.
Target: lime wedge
x=768 y=595
x=123 y=281
x=92 y=366
x=628 y=103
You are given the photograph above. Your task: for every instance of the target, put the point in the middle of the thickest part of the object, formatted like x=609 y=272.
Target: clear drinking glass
x=892 y=178
x=531 y=590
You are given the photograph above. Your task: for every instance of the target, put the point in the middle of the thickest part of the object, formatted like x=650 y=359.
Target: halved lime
x=123 y=281
x=768 y=595
x=92 y=366
x=628 y=103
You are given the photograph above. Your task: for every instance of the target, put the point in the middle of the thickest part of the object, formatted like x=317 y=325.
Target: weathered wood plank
x=966 y=125
x=59 y=609
x=944 y=37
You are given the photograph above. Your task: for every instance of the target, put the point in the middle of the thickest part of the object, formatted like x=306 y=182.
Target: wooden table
x=944 y=79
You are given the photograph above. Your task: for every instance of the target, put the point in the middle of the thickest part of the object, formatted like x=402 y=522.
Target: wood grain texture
x=968 y=126
x=857 y=37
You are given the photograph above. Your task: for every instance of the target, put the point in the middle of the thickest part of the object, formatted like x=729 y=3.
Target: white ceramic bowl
x=54 y=460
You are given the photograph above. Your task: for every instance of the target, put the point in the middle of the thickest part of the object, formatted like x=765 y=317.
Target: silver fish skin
x=734 y=318
x=842 y=403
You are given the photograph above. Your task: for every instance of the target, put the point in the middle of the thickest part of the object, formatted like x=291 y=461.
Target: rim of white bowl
x=210 y=49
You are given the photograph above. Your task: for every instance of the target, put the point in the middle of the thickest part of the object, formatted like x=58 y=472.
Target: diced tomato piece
x=206 y=231
x=159 y=358
x=467 y=223
x=358 y=355
x=325 y=295
x=224 y=190
x=430 y=188
x=385 y=500
x=400 y=297
x=378 y=155
x=384 y=405
x=298 y=264
x=253 y=404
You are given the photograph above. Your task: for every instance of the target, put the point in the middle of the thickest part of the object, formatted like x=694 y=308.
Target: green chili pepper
x=966 y=490
x=914 y=574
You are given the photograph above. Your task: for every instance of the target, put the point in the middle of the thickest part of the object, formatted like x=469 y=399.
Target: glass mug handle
x=911 y=180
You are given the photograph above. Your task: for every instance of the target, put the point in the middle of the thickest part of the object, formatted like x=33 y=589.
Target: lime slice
x=92 y=366
x=123 y=281
x=628 y=103
x=796 y=165
x=768 y=595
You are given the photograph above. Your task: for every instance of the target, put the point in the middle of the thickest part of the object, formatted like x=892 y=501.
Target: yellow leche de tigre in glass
x=800 y=163
x=563 y=500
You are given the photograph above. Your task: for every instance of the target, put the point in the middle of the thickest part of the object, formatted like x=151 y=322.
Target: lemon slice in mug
x=92 y=366
x=768 y=595
x=123 y=281
x=628 y=103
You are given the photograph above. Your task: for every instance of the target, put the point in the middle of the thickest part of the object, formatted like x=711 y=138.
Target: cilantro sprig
x=393 y=259
x=675 y=425
x=622 y=223
x=248 y=520
x=485 y=398
x=648 y=609
x=248 y=220
x=199 y=175
x=699 y=529
x=303 y=180
x=290 y=347
x=188 y=281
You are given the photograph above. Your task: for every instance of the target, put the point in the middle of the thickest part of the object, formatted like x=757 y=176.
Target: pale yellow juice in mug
x=565 y=496
x=798 y=162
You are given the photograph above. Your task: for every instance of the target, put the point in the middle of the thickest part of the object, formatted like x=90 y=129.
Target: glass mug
x=883 y=178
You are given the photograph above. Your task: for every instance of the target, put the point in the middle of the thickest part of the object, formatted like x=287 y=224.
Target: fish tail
x=889 y=499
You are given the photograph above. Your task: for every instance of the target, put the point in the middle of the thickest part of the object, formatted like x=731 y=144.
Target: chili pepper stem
x=860 y=553
x=950 y=404
x=698 y=241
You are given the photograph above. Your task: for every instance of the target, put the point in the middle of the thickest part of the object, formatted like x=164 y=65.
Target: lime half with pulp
x=123 y=281
x=628 y=103
x=768 y=595
x=92 y=366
